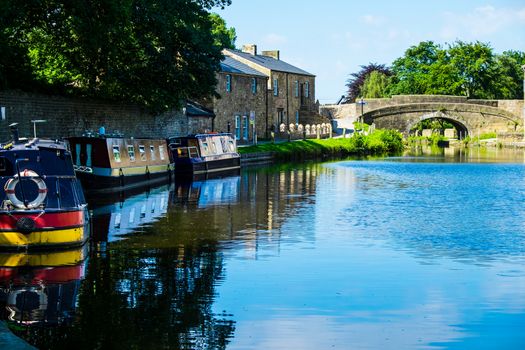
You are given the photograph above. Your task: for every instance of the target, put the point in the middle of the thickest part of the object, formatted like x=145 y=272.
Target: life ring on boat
x=10 y=186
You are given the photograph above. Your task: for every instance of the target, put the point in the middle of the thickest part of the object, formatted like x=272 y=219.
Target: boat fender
x=10 y=186
x=25 y=225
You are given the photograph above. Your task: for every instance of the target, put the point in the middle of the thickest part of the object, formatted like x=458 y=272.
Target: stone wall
x=291 y=97
x=240 y=102
x=73 y=116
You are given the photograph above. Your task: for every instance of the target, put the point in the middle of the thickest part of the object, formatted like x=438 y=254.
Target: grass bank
x=380 y=142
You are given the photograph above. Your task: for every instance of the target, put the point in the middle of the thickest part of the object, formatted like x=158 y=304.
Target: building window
x=296 y=88
x=237 y=127
x=254 y=85
x=275 y=87
x=228 y=83
x=116 y=153
x=307 y=89
x=131 y=153
x=161 y=152
x=296 y=117
x=245 y=127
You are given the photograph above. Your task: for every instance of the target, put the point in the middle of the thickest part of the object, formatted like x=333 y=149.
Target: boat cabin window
x=77 y=153
x=205 y=147
x=231 y=145
x=142 y=151
x=224 y=145
x=161 y=152
x=131 y=153
x=89 y=150
x=3 y=164
x=116 y=153
x=152 y=152
x=213 y=147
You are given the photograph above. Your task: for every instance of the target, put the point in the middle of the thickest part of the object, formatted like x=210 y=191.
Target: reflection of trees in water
x=145 y=299
x=155 y=289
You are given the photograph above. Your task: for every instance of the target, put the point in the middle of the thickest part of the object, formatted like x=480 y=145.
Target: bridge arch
x=462 y=127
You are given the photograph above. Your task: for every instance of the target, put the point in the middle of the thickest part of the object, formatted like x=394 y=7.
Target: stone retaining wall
x=73 y=116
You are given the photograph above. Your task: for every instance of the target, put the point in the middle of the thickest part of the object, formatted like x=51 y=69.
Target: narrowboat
x=106 y=163
x=42 y=204
x=204 y=153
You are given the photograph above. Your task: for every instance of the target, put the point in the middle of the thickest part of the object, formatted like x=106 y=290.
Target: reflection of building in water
x=115 y=220
x=41 y=288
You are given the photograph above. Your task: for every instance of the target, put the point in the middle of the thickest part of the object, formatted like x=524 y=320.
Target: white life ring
x=10 y=186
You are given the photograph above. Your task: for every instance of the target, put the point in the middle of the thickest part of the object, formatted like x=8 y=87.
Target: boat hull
x=113 y=180
x=47 y=230
x=201 y=166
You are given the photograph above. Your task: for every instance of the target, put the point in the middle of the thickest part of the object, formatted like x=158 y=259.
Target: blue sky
x=333 y=38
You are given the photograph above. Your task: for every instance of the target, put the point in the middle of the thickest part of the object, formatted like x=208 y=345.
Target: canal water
x=423 y=251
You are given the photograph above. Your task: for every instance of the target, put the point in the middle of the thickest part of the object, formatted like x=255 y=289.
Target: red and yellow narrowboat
x=41 y=203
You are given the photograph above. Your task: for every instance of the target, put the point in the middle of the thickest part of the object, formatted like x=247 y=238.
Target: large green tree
x=152 y=52
x=464 y=69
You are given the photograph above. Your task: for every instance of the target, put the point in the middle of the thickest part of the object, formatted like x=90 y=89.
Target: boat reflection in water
x=135 y=211
x=205 y=191
x=113 y=221
x=41 y=288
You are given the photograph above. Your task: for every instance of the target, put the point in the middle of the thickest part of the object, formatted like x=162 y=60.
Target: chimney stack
x=273 y=53
x=250 y=48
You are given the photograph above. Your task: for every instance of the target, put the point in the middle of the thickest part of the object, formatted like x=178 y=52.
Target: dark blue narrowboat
x=204 y=153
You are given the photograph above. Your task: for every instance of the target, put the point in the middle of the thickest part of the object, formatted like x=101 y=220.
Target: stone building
x=241 y=105
x=290 y=90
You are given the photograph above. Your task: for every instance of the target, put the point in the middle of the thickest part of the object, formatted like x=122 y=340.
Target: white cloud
x=273 y=39
x=479 y=23
x=372 y=20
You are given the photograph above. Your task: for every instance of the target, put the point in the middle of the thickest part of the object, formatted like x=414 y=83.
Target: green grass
x=378 y=143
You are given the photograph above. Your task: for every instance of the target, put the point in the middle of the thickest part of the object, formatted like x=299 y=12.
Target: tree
x=152 y=52
x=413 y=71
x=356 y=81
x=375 y=85
x=464 y=69
x=224 y=37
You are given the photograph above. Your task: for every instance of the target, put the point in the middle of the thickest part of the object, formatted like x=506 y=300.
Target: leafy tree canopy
x=152 y=52
x=357 y=80
x=224 y=37
x=460 y=68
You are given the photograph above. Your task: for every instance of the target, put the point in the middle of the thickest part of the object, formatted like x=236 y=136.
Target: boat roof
x=196 y=136
x=34 y=144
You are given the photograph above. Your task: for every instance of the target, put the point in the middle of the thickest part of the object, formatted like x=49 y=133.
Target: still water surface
x=413 y=252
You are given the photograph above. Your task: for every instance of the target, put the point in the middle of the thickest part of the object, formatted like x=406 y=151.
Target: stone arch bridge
x=469 y=116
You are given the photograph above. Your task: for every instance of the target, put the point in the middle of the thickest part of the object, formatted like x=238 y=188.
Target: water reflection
x=461 y=154
x=40 y=289
x=384 y=254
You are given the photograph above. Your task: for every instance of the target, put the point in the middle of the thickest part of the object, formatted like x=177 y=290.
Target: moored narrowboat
x=106 y=163
x=204 y=153
x=42 y=205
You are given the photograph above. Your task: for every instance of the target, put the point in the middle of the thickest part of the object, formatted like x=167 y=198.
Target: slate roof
x=193 y=109
x=270 y=63
x=230 y=65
